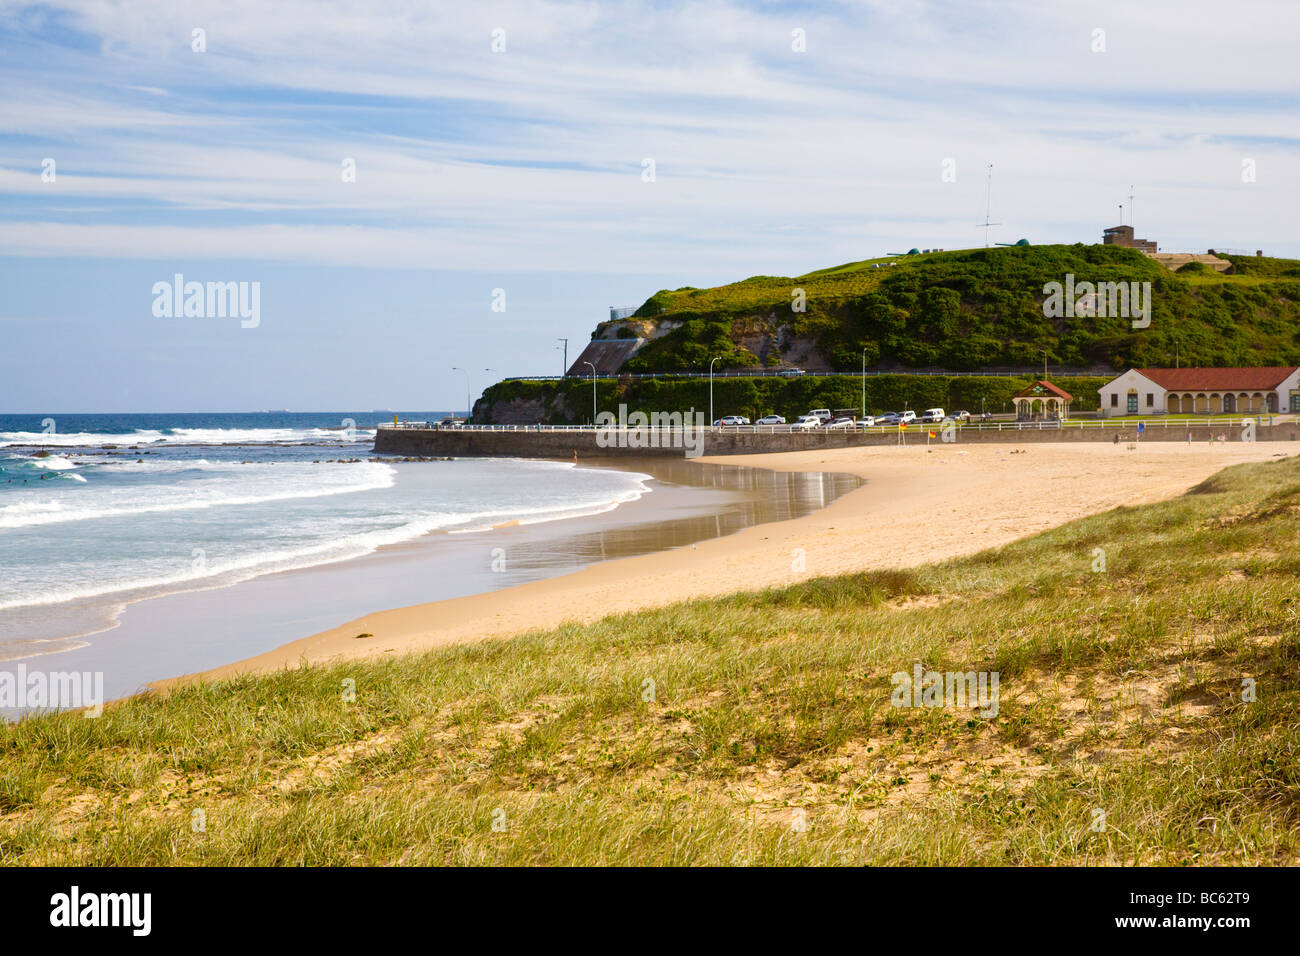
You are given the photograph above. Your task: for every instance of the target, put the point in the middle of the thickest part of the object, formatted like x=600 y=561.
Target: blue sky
x=522 y=169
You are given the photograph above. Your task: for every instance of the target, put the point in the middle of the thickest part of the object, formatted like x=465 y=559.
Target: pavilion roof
x=1043 y=390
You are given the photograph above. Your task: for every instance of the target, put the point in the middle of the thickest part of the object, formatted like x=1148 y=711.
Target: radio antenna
x=988 y=209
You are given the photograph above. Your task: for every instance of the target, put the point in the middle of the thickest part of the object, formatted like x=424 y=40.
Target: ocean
x=97 y=511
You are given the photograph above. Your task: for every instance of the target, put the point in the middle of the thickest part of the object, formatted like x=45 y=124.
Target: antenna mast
x=1130 y=204
x=988 y=209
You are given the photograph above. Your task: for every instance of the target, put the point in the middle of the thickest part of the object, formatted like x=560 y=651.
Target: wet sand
x=920 y=505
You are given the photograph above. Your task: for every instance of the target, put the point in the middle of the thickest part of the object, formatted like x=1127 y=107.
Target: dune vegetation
x=1148 y=713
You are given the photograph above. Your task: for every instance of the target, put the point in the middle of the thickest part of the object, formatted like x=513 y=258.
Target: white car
x=906 y=417
x=931 y=415
x=726 y=420
x=806 y=423
x=822 y=414
x=771 y=420
x=842 y=423
x=867 y=422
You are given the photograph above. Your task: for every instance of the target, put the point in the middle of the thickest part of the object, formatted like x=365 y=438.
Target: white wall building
x=1202 y=391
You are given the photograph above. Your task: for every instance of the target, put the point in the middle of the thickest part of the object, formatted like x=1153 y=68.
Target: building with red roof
x=1202 y=391
x=1042 y=401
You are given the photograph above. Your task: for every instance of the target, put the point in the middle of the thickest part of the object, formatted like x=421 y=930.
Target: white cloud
x=767 y=160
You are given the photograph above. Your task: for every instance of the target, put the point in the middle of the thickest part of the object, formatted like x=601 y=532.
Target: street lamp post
x=864 y=383
x=469 y=409
x=565 y=370
x=711 y=393
x=1044 y=351
x=593 y=394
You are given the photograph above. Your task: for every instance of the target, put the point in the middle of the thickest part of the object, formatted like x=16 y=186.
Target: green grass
x=769 y=737
x=1190 y=419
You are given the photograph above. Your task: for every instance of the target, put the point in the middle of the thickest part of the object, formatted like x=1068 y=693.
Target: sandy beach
x=920 y=505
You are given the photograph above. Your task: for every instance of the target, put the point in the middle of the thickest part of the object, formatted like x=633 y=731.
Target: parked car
x=824 y=414
x=791 y=372
x=842 y=423
x=771 y=420
x=889 y=418
x=806 y=423
x=907 y=416
x=961 y=416
x=931 y=415
x=867 y=422
x=726 y=420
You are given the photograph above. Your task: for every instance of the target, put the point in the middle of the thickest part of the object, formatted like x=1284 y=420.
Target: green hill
x=958 y=311
x=972 y=309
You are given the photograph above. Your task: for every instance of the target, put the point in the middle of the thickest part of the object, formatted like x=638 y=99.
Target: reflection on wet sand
x=751 y=496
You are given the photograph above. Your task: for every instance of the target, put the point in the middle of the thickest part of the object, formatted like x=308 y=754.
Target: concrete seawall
x=485 y=443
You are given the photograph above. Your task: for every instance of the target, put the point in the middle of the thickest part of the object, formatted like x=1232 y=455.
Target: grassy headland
x=961 y=311
x=767 y=734
x=981 y=308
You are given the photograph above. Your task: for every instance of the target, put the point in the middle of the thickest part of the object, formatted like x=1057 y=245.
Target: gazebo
x=1042 y=402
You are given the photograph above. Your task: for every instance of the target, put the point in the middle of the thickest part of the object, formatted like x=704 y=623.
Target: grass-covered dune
x=756 y=728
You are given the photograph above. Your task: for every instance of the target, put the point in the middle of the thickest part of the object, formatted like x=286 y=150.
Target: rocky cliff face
x=523 y=411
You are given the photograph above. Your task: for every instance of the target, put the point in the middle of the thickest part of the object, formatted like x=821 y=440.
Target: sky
x=422 y=187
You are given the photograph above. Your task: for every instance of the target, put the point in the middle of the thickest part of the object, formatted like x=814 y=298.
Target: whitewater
x=98 y=519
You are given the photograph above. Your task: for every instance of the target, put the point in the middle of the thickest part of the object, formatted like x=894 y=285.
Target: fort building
x=1123 y=236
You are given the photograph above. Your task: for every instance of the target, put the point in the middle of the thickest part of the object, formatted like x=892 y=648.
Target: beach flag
x=931 y=434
